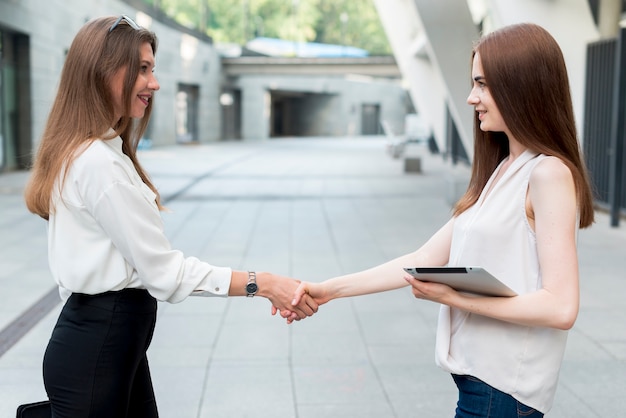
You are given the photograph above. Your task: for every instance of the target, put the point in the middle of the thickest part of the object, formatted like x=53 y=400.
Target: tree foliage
x=346 y=22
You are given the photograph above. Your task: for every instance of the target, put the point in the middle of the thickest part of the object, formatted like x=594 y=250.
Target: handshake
x=295 y=300
x=292 y=299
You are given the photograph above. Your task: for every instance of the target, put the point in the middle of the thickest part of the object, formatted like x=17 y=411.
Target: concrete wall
x=432 y=43
x=51 y=26
x=571 y=24
x=408 y=41
x=182 y=59
x=337 y=115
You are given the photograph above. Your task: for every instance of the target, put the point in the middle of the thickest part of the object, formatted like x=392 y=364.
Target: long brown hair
x=83 y=109
x=527 y=77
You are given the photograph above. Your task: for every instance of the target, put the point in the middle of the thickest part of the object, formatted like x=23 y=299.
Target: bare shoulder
x=551 y=193
x=551 y=186
x=551 y=170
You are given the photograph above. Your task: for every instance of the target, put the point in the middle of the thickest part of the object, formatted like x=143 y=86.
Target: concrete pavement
x=309 y=208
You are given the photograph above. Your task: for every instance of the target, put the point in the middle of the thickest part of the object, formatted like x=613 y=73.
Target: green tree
x=352 y=23
x=347 y=22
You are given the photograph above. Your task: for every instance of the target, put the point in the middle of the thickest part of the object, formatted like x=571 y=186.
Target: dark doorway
x=294 y=113
x=370 y=119
x=187 y=113
x=284 y=111
x=230 y=102
x=15 y=120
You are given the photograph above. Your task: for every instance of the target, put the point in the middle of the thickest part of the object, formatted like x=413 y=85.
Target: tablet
x=463 y=279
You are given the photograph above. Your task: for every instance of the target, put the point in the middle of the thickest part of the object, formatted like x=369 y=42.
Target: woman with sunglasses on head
x=107 y=249
x=528 y=195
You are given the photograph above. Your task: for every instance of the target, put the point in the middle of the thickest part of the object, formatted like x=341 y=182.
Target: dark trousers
x=95 y=364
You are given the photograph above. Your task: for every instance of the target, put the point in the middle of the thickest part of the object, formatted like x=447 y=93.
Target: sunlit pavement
x=313 y=209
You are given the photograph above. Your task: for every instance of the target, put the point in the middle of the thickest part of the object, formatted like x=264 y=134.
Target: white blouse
x=106 y=234
x=522 y=361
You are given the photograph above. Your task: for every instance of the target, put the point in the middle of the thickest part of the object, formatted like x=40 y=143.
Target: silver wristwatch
x=251 y=286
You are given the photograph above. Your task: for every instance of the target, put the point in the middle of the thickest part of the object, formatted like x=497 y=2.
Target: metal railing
x=604 y=123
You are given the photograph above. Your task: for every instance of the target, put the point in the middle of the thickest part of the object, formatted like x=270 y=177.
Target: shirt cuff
x=215 y=283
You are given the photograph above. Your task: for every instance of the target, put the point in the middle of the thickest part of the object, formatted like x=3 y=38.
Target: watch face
x=252 y=288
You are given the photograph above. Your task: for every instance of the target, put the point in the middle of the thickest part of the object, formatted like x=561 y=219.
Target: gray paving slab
x=310 y=208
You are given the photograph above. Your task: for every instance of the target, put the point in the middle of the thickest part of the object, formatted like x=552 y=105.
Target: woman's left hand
x=434 y=292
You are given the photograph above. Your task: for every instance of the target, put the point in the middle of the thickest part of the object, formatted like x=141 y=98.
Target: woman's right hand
x=317 y=291
x=305 y=295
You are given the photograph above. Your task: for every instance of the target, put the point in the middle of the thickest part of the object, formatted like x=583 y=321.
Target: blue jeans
x=479 y=400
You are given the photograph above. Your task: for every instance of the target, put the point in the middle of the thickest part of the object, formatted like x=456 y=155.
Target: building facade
x=34 y=38
x=279 y=97
x=432 y=44
x=199 y=100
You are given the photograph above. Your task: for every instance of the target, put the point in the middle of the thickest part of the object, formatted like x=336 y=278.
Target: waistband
x=125 y=300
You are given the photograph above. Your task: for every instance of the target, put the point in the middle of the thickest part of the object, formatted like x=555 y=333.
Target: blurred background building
x=286 y=83
x=430 y=41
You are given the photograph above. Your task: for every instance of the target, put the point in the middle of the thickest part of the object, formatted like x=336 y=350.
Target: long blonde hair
x=528 y=80
x=83 y=109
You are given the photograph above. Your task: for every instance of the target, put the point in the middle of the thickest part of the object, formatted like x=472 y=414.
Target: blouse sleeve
x=127 y=212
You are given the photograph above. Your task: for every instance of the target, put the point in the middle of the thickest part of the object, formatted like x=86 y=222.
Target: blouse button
x=217 y=289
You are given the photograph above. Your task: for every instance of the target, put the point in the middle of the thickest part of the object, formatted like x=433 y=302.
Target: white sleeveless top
x=522 y=361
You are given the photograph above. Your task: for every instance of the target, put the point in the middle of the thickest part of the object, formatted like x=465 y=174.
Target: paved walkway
x=310 y=208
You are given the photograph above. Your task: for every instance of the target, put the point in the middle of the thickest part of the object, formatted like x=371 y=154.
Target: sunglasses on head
x=128 y=20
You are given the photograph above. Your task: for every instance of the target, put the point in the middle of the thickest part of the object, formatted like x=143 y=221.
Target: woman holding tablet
x=528 y=195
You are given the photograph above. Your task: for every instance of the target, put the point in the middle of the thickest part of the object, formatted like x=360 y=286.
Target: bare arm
x=387 y=276
x=552 y=205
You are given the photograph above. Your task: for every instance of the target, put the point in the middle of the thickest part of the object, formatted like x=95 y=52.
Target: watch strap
x=251 y=286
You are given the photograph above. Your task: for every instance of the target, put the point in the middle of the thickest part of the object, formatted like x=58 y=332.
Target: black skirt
x=95 y=364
